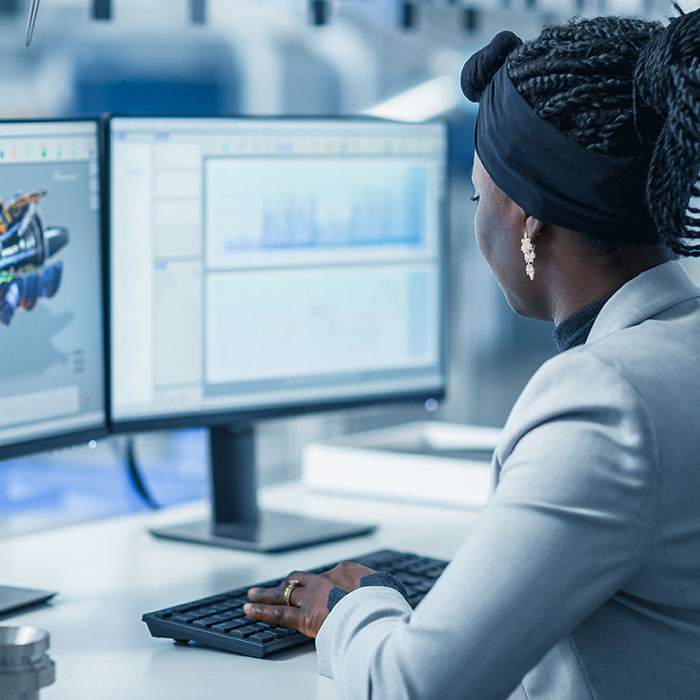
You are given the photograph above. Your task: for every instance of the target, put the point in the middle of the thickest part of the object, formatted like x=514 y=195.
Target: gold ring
x=291 y=585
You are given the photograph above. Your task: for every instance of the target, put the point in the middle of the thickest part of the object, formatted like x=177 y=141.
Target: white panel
x=132 y=275
x=178 y=241
x=39 y=405
x=178 y=156
x=177 y=212
x=175 y=184
x=178 y=323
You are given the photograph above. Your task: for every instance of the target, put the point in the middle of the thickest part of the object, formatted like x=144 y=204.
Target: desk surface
x=109 y=573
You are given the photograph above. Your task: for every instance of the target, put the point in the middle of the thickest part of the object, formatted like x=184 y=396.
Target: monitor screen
x=51 y=314
x=267 y=264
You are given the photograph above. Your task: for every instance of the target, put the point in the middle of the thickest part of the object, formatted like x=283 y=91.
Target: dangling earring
x=528 y=248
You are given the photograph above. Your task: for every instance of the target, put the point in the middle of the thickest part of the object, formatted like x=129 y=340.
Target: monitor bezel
x=220 y=417
x=83 y=434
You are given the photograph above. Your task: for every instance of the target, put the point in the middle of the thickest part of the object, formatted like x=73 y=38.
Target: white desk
x=109 y=573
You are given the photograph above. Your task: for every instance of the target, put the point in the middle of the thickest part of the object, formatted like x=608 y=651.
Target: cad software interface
x=259 y=263
x=51 y=341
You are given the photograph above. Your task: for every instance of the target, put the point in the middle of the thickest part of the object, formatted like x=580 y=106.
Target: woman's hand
x=308 y=602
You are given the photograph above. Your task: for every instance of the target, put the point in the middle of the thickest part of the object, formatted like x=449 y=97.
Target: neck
x=583 y=280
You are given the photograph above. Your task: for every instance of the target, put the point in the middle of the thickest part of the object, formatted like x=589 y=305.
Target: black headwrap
x=550 y=176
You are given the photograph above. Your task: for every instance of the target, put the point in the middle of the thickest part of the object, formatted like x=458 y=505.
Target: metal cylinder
x=25 y=666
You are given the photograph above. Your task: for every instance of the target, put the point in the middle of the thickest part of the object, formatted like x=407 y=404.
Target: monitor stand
x=236 y=521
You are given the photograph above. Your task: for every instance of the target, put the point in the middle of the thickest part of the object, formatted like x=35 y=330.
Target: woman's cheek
x=480 y=233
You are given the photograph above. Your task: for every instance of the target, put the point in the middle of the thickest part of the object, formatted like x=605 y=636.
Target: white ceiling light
x=425 y=101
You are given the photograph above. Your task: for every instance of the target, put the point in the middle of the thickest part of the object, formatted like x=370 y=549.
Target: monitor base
x=274 y=532
x=15 y=600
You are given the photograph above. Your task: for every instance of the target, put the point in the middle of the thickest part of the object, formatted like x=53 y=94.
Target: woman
x=581 y=578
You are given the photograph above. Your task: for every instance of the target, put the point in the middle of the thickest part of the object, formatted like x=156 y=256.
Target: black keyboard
x=219 y=621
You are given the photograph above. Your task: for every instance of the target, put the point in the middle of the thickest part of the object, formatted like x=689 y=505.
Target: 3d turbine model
x=25 y=246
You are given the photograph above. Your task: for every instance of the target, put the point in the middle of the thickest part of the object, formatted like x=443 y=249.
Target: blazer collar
x=644 y=296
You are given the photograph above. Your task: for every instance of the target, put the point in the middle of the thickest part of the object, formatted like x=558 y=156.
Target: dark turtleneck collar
x=574 y=330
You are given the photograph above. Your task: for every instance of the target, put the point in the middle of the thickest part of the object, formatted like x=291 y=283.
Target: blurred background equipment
x=198 y=9
x=102 y=9
x=31 y=22
x=25 y=666
x=319 y=12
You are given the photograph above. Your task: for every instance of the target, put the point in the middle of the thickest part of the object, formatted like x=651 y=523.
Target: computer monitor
x=52 y=377
x=268 y=267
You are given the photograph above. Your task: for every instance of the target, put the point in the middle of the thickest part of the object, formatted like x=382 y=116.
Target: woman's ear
x=533 y=227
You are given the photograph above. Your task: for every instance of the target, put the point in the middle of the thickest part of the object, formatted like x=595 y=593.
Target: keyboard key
x=243 y=632
x=207 y=621
x=262 y=637
x=221 y=617
x=184 y=619
x=417 y=569
x=202 y=611
x=221 y=627
x=384 y=556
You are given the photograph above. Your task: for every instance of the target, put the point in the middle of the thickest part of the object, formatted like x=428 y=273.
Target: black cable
x=135 y=477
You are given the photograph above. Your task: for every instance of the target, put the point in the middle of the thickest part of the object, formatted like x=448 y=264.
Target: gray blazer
x=581 y=578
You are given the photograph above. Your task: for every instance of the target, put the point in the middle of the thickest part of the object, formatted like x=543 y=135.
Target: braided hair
x=626 y=87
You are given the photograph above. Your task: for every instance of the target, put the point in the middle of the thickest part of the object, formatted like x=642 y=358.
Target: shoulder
x=580 y=408
x=569 y=382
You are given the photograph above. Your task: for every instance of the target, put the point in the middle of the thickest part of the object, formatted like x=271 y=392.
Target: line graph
x=254 y=206
x=296 y=324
